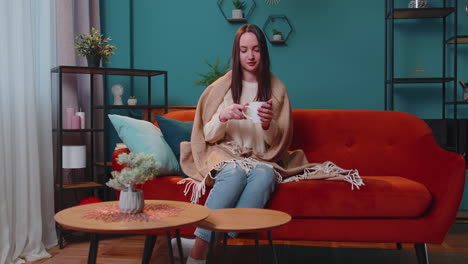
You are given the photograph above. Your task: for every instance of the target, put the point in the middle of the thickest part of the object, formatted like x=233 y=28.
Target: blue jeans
x=233 y=188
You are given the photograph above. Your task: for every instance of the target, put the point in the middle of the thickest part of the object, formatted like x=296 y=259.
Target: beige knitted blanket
x=200 y=159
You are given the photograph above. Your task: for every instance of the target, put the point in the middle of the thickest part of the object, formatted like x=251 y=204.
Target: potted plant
x=132 y=100
x=277 y=35
x=140 y=167
x=94 y=47
x=211 y=76
x=237 y=12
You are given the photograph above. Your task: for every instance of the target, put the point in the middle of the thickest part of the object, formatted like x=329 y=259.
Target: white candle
x=82 y=118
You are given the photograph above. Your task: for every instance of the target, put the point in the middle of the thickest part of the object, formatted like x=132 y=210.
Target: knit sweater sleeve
x=215 y=130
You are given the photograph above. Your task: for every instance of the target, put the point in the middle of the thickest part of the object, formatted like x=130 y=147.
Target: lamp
x=73 y=157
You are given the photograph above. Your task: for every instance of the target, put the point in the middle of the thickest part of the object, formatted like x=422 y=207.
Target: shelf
x=108 y=163
x=80 y=185
x=277 y=41
x=80 y=130
x=408 y=13
x=129 y=107
x=249 y=6
x=421 y=80
x=106 y=71
x=277 y=23
x=237 y=20
x=462 y=39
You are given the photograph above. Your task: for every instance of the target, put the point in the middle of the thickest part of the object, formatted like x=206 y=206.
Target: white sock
x=195 y=261
x=187 y=245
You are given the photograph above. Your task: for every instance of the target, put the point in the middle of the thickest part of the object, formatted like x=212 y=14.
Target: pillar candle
x=70 y=115
x=82 y=118
x=76 y=122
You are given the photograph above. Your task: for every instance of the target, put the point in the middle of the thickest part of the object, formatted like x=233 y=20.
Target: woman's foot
x=187 y=245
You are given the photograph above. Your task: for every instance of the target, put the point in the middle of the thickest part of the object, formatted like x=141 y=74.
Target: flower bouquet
x=139 y=168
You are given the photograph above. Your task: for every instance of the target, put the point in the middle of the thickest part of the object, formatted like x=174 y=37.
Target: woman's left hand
x=266 y=114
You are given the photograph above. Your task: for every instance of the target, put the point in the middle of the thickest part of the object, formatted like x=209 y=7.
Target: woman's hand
x=266 y=114
x=233 y=111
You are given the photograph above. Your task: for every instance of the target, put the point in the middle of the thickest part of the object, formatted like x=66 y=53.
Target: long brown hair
x=263 y=74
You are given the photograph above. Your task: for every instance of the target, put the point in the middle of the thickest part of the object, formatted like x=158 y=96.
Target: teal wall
x=334 y=59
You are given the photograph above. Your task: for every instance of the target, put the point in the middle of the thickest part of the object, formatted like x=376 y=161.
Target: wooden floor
x=129 y=249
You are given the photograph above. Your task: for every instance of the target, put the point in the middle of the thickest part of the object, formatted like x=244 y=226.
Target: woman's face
x=249 y=53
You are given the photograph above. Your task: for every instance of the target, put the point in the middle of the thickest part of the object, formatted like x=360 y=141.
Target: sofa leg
x=421 y=253
x=398 y=246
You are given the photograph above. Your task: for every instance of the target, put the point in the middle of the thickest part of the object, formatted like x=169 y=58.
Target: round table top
x=73 y=218
x=244 y=220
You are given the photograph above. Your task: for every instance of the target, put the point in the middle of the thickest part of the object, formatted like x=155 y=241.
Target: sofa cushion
x=142 y=136
x=381 y=197
x=174 y=133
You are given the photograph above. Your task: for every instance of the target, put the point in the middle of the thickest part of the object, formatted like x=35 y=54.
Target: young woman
x=241 y=159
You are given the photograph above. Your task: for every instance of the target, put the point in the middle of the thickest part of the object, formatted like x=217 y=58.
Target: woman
x=242 y=160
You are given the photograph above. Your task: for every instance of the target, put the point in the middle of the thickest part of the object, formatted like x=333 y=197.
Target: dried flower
x=140 y=168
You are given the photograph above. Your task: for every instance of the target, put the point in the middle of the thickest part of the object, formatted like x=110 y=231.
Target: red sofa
x=413 y=187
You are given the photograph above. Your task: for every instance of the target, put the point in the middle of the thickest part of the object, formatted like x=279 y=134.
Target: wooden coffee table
x=243 y=220
x=72 y=218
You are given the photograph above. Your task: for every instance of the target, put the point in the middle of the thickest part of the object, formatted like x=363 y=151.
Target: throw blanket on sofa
x=200 y=159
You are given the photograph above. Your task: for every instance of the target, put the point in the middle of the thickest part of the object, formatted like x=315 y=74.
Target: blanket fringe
x=326 y=171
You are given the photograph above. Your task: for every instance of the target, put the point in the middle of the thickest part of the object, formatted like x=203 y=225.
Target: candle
x=70 y=114
x=82 y=118
x=76 y=122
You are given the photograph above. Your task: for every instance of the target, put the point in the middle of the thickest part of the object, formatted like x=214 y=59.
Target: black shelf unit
x=391 y=14
x=97 y=171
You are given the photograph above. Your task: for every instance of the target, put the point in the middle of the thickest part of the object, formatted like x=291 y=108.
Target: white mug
x=251 y=111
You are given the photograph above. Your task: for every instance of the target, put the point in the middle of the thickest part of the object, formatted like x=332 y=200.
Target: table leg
x=210 y=248
x=275 y=258
x=60 y=236
x=179 y=246
x=93 y=248
x=171 y=254
x=148 y=250
x=224 y=247
x=257 y=246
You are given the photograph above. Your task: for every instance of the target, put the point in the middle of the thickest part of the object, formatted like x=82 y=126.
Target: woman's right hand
x=233 y=111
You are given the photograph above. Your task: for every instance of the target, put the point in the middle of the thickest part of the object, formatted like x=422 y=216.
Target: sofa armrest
x=441 y=171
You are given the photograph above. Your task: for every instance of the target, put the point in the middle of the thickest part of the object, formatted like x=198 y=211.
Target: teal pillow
x=174 y=132
x=142 y=136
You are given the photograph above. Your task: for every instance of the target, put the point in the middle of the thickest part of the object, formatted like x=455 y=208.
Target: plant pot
x=93 y=60
x=237 y=13
x=131 y=202
x=132 y=101
x=277 y=37
x=417 y=4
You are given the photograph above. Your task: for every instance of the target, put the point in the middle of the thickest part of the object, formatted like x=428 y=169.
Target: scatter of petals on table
x=111 y=213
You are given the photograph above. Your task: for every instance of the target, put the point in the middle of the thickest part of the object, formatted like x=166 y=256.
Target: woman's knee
x=233 y=175
x=264 y=175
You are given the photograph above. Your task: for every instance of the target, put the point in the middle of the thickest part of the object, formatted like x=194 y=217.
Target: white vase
x=237 y=13
x=131 y=202
x=132 y=101
x=277 y=37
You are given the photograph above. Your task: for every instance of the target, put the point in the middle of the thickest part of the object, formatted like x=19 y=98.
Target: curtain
x=27 y=226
